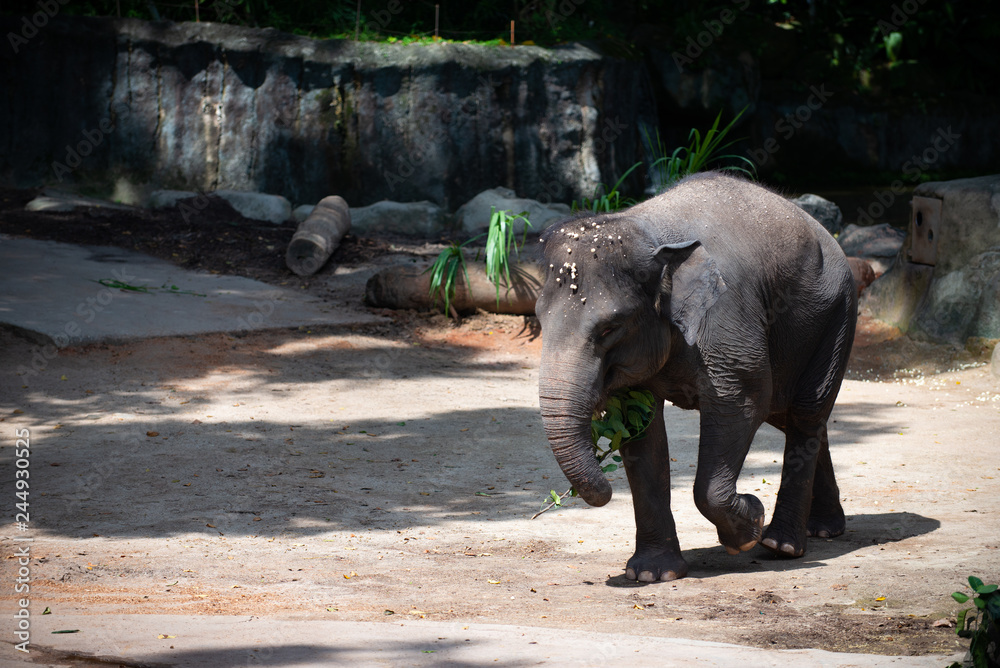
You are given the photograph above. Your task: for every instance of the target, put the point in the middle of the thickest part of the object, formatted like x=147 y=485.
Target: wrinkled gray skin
x=717 y=295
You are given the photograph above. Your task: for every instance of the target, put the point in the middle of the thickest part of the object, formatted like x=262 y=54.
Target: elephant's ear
x=690 y=284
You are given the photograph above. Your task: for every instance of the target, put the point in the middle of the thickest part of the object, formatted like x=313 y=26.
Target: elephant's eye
x=606 y=332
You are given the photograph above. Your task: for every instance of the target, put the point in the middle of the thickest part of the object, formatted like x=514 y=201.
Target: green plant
x=626 y=417
x=443 y=273
x=500 y=240
x=611 y=200
x=983 y=626
x=701 y=152
x=145 y=289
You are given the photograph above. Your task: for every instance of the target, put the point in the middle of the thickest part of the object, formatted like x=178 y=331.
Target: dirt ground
x=391 y=472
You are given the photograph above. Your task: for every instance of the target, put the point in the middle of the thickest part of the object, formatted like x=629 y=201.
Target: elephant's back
x=755 y=235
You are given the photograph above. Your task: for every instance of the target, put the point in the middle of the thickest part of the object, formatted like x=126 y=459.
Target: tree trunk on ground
x=409 y=287
x=318 y=236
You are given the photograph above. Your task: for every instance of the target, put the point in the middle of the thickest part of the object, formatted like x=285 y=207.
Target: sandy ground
x=389 y=473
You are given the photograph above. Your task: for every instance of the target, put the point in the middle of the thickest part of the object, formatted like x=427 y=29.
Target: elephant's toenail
x=788 y=548
x=630 y=573
x=746 y=546
x=771 y=543
x=731 y=550
x=646 y=576
x=824 y=534
x=668 y=576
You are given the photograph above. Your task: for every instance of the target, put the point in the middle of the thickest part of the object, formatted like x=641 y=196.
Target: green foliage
x=625 y=418
x=500 y=241
x=701 y=152
x=146 y=289
x=977 y=626
x=609 y=201
x=893 y=46
x=444 y=271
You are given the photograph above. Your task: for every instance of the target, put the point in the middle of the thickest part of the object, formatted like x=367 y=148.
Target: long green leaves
x=611 y=200
x=445 y=270
x=701 y=152
x=500 y=240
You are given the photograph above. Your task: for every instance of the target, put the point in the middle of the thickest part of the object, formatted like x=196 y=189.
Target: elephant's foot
x=656 y=565
x=784 y=540
x=741 y=528
x=826 y=526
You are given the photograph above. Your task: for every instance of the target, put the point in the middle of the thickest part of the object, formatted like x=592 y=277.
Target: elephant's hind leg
x=808 y=499
x=805 y=439
x=826 y=515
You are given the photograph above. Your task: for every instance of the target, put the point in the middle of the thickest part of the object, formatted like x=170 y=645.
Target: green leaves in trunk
x=625 y=418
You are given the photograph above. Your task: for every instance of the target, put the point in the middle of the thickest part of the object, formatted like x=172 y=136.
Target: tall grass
x=501 y=239
x=609 y=201
x=701 y=152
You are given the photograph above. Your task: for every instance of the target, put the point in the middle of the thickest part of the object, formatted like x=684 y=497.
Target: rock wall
x=955 y=293
x=210 y=106
x=818 y=127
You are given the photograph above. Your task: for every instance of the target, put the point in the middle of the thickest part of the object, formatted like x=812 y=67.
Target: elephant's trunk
x=566 y=413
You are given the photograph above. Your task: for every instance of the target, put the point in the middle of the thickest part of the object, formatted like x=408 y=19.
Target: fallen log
x=408 y=287
x=318 y=236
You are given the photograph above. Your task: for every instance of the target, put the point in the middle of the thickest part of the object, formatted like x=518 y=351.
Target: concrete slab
x=190 y=641
x=64 y=294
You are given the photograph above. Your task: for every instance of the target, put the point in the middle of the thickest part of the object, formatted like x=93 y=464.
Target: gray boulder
x=995 y=362
x=473 y=217
x=168 y=199
x=826 y=212
x=412 y=219
x=953 y=293
x=302 y=212
x=875 y=241
x=258 y=206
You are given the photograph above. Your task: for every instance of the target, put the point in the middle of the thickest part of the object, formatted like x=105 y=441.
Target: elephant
x=716 y=295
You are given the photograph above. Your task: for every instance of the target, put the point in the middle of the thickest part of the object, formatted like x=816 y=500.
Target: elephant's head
x=617 y=297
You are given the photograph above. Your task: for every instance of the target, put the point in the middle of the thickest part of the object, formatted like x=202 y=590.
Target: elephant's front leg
x=725 y=440
x=647 y=464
